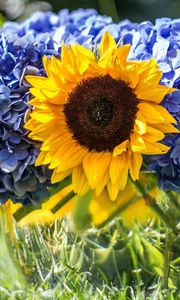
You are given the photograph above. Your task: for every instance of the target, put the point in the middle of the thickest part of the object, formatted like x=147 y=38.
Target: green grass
x=52 y=262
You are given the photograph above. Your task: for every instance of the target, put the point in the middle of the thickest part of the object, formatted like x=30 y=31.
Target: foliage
x=132 y=9
x=53 y=262
x=1 y=20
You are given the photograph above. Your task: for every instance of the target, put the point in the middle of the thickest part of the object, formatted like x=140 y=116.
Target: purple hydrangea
x=22 y=47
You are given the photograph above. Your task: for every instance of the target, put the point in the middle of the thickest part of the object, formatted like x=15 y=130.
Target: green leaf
x=2 y=19
x=156 y=258
x=138 y=244
x=108 y=7
x=171 y=284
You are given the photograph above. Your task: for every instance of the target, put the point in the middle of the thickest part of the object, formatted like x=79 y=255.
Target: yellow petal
x=137 y=143
x=44 y=158
x=150 y=74
x=153 y=135
x=102 y=183
x=38 y=94
x=154 y=94
x=43 y=115
x=57 y=177
x=79 y=181
x=120 y=148
x=117 y=167
x=116 y=69
x=107 y=42
x=106 y=61
x=95 y=165
x=122 y=52
x=69 y=159
x=40 y=131
x=132 y=72
x=124 y=175
x=155 y=148
x=66 y=56
x=155 y=114
x=55 y=96
x=57 y=72
x=47 y=65
x=85 y=53
x=135 y=165
x=166 y=128
x=148 y=87
x=40 y=82
x=140 y=124
x=113 y=190
x=55 y=138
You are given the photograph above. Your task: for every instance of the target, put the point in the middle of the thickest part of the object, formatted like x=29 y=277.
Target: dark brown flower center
x=100 y=112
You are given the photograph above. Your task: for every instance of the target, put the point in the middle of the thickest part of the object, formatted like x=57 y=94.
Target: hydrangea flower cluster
x=162 y=41
x=22 y=47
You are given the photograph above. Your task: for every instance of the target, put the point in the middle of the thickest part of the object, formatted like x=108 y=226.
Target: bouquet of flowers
x=89 y=118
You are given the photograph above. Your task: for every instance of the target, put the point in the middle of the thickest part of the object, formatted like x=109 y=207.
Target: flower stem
x=174 y=200
x=25 y=210
x=119 y=210
x=167 y=257
x=62 y=202
x=64 y=183
x=152 y=203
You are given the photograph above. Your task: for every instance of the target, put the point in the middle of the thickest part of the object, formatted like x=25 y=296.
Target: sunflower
x=96 y=114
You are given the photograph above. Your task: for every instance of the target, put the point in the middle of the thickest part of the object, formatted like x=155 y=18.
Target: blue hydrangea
x=162 y=41
x=22 y=47
x=167 y=166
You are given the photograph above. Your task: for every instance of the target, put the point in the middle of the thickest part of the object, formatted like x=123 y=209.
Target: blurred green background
x=135 y=10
